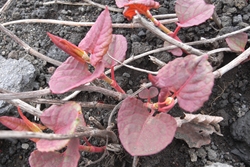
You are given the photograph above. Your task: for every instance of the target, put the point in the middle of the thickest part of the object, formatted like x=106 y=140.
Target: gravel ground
x=230 y=98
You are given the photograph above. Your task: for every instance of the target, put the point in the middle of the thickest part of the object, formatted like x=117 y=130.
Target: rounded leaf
x=140 y=132
x=193 y=12
x=190 y=78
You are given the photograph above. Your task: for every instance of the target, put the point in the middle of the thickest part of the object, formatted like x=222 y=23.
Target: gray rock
x=212 y=155
x=240 y=129
x=228 y=2
x=237 y=19
x=226 y=21
x=243 y=151
x=55 y=53
x=16 y=76
x=218 y=164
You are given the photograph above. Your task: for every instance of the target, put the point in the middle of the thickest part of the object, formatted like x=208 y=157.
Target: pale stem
x=103 y=6
x=87 y=24
x=235 y=62
x=133 y=68
x=37 y=93
x=28 y=48
x=25 y=107
x=165 y=37
x=66 y=3
x=6 y=6
x=5 y=134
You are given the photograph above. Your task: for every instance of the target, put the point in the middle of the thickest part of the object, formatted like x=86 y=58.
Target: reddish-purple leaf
x=69 y=48
x=14 y=123
x=192 y=12
x=117 y=49
x=121 y=3
x=237 y=42
x=62 y=120
x=189 y=78
x=98 y=38
x=140 y=132
x=195 y=135
x=72 y=74
x=69 y=158
x=141 y=6
x=149 y=93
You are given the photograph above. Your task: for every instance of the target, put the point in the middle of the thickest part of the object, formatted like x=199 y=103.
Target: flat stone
x=16 y=76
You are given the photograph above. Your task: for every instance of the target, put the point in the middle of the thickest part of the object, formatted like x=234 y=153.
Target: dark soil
x=231 y=93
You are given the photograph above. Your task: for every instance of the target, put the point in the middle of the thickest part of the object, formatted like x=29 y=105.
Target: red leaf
x=121 y=3
x=72 y=74
x=69 y=48
x=14 y=123
x=140 y=132
x=98 y=38
x=193 y=12
x=149 y=93
x=237 y=42
x=69 y=158
x=32 y=126
x=62 y=120
x=190 y=78
x=117 y=49
x=139 y=5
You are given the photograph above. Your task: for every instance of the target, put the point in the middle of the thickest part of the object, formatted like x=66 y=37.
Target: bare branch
x=6 y=6
x=103 y=6
x=164 y=36
x=87 y=24
x=5 y=134
x=134 y=68
x=23 y=95
x=235 y=62
x=117 y=95
x=66 y=3
x=25 y=107
x=28 y=48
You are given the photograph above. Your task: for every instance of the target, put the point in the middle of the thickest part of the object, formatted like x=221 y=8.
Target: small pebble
x=25 y=146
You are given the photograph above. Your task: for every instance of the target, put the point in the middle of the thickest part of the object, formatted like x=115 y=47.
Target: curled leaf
x=14 y=123
x=98 y=38
x=193 y=12
x=189 y=78
x=142 y=6
x=69 y=48
x=237 y=42
x=140 y=132
x=32 y=126
x=194 y=135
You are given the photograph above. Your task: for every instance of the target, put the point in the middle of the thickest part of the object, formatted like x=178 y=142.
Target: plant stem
x=157 y=23
x=166 y=37
x=92 y=149
x=112 y=83
x=5 y=134
x=235 y=62
x=176 y=31
x=86 y=24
